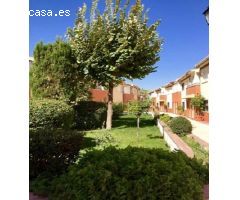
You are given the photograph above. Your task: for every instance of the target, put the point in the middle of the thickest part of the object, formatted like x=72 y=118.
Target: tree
x=198 y=103
x=54 y=73
x=114 y=46
x=138 y=108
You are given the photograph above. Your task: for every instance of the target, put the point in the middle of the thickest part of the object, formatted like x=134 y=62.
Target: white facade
x=204 y=81
x=169 y=97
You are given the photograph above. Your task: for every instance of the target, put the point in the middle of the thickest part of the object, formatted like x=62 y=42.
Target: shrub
x=117 y=110
x=165 y=118
x=51 y=152
x=90 y=115
x=132 y=173
x=198 y=102
x=180 y=109
x=50 y=114
x=180 y=125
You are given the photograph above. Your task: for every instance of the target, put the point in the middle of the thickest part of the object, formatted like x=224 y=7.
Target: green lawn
x=124 y=133
x=199 y=152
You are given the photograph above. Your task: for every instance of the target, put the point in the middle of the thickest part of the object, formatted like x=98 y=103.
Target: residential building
x=175 y=97
x=122 y=93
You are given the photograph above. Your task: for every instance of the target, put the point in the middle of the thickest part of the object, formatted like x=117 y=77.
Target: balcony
x=193 y=90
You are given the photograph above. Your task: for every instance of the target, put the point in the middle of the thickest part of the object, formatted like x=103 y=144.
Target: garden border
x=173 y=140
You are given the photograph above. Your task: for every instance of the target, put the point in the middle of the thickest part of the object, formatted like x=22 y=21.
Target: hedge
x=52 y=151
x=90 y=115
x=50 y=114
x=180 y=125
x=131 y=173
x=165 y=118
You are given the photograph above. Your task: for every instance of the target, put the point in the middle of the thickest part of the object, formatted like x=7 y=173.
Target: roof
x=185 y=76
x=203 y=63
x=170 y=84
x=206 y=11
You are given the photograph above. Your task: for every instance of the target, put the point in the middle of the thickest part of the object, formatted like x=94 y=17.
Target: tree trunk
x=109 y=110
x=138 y=120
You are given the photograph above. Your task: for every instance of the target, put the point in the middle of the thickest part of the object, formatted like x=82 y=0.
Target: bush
x=180 y=125
x=165 y=118
x=132 y=173
x=117 y=110
x=90 y=115
x=50 y=114
x=51 y=152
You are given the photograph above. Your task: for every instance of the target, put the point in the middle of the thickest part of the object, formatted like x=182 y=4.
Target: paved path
x=200 y=129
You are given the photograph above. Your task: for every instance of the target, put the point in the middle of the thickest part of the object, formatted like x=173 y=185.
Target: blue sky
x=183 y=28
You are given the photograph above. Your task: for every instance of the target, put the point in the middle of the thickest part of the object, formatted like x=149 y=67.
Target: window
x=168 y=104
x=183 y=105
x=206 y=105
x=183 y=86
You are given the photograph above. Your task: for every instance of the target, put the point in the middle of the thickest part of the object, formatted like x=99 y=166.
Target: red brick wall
x=206 y=116
x=169 y=110
x=195 y=89
x=99 y=95
x=127 y=98
x=177 y=101
x=176 y=97
x=163 y=97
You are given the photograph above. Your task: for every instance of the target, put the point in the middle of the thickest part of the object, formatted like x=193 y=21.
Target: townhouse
x=122 y=93
x=175 y=97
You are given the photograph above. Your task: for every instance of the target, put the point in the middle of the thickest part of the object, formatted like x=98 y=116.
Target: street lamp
x=206 y=14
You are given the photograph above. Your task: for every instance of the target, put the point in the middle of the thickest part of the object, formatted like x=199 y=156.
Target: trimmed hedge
x=90 y=115
x=52 y=151
x=131 y=173
x=180 y=125
x=50 y=114
x=165 y=118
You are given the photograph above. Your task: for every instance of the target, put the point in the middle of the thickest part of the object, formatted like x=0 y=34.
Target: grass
x=199 y=152
x=124 y=133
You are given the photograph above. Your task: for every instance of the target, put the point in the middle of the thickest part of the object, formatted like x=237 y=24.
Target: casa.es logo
x=49 y=13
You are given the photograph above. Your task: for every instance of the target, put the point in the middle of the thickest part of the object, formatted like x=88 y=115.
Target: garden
x=81 y=149
x=70 y=162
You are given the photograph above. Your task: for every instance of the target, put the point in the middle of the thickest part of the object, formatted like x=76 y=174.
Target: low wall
x=166 y=136
x=173 y=140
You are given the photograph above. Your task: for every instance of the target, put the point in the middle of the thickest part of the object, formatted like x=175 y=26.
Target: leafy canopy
x=55 y=73
x=115 y=45
x=138 y=107
x=198 y=102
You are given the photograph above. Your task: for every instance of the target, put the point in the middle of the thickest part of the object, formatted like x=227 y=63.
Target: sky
x=183 y=28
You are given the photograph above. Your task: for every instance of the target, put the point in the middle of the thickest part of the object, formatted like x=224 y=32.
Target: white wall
x=204 y=81
x=176 y=87
x=127 y=89
x=169 y=97
x=153 y=95
x=195 y=79
x=167 y=138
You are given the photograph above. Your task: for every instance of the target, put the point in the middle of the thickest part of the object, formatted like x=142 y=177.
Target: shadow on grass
x=154 y=137
x=88 y=142
x=131 y=121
